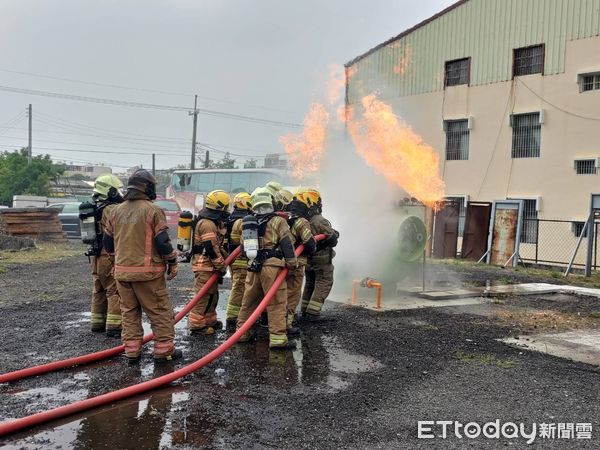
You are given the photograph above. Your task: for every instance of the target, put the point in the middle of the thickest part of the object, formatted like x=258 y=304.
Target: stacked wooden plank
x=33 y=223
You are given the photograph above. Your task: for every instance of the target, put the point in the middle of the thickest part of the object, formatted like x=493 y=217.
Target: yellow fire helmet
x=217 y=200
x=273 y=187
x=283 y=198
x=309 y=197
x=261 y=196
x=104 y=184
x=242 y=201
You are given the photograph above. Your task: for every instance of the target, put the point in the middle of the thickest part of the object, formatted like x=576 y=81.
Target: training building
x=508 y=93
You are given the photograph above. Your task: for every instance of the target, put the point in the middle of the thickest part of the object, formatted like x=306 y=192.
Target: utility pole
x=153 y=163
x=29 y=153
x=195 y=113
x=207 y=160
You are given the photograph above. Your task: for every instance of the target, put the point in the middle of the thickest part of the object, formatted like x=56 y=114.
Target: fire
x=305 y=149
x=394 y=150
x=336 y=83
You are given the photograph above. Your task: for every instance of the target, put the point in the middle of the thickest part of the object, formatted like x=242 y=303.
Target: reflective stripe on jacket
x=206 y=230
x=133 y=225
x=301 y=233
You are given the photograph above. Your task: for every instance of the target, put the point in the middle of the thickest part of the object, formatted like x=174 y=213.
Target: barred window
x=585 y=167
x=578 y=228
x=462 y=211
x=457 y=72
x=457 y=139
x=526 y=135
x=528 y=60
x=589 y=82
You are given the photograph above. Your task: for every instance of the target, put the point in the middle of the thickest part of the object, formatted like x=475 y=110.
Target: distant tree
x=226 y=163
x=79 y=177
x=251 y=164
x=17 y=177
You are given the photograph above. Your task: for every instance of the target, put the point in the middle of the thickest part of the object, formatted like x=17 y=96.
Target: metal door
x=475 y=234
x=445 y=234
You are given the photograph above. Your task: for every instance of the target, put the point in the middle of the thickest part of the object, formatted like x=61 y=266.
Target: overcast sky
x=259 y=58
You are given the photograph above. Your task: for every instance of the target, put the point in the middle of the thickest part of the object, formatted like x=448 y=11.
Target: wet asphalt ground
x=359 y=379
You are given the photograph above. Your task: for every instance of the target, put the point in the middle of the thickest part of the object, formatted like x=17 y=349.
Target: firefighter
x=319 y=270
x=273 y=187
x=137 y=234
x=209 y=257
x=106 y=308
x=275 y=251
x=241 y=208
x=302 y=234
x=281 y=200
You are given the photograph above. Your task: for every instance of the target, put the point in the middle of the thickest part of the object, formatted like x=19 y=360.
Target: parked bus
x=188 y=187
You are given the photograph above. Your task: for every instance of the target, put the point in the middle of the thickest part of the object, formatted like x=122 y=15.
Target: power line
x=131 y=88
x=155 y=106
x=570 y=113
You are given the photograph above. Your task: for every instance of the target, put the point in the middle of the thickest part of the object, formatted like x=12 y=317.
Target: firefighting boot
x=98 y=328
x=113 y=333
x=249 y=336
x=177 y=354
x=230 y=324
x=204 y=331
x=133 y=359
x=287 y=346
x=293 y=331
x=218 y=325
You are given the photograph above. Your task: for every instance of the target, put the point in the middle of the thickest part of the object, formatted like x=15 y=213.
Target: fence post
x=537 y=239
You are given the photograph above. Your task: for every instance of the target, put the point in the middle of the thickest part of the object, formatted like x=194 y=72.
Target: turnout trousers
x=106 y=304
x=319 y=281
x=256 y=286
x=204 y=313
x=152 y=298
x=238 y=280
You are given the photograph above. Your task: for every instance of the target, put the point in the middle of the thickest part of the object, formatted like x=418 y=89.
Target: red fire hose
x=104 y=354
x=136 y=389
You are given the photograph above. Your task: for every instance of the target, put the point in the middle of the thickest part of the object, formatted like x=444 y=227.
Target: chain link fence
x=553 y=241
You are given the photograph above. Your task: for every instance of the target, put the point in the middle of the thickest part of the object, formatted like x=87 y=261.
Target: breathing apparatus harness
x=186 y=244
x=258 y=225
x=90 y=215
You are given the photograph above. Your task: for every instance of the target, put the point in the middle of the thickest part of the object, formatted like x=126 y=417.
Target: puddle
x=166 y=419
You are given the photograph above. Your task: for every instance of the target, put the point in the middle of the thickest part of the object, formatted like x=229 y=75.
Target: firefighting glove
x=171 y=270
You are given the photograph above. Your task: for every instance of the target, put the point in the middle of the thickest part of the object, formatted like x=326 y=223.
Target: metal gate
x=475 y=235
x=445 y=234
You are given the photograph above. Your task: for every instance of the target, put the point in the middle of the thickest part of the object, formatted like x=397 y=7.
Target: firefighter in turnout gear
x=106 y=307
x=241 y=208
x=209 y=257
x=282 y=199
x=275 y=251
x=319 y=271
x=302 y=234
x=137 y=236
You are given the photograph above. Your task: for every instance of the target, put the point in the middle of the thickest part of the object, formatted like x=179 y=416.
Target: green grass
x=44 y=252
x=485 y=358
x=549 y=275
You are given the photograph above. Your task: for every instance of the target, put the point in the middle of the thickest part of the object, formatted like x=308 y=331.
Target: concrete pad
x=581 y=345
x=453 y=294
x=403 y=303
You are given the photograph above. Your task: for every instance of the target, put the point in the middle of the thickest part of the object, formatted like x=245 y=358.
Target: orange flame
x=394 y=150
x=336 y=83
x=305 y=149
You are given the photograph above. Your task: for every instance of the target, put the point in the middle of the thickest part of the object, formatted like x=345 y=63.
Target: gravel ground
x=359 y=379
